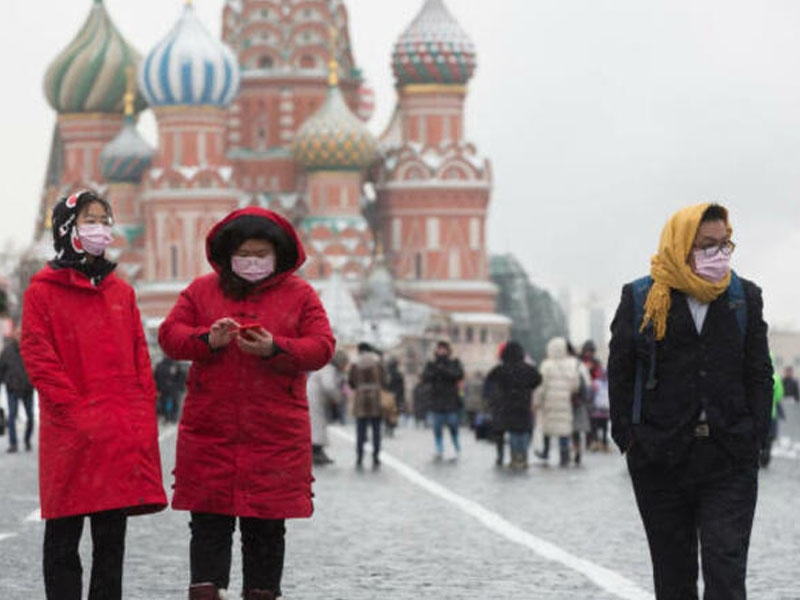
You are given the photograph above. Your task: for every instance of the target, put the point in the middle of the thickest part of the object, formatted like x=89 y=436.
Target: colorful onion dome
x=333 y=138
x=189 y=66
x=89 y=74
x=127 y=156
x=434 y=49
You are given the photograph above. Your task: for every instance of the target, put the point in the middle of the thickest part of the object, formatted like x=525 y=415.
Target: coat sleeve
x=141 y=353
x=313 y=347
x=757 y=366
x=180 y=336
x=622 y=370
x=45 y=368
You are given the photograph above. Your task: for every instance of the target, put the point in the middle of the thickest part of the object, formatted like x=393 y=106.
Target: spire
x=333 y=65
x=130 y=90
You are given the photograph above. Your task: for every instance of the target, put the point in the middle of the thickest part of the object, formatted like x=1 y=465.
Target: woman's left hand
x=256 y=341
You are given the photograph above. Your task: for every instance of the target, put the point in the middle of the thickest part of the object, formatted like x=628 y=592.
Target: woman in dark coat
x=252 y=329
x=509 y=386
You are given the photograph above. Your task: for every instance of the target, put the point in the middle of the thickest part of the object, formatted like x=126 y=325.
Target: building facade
x=273 y=114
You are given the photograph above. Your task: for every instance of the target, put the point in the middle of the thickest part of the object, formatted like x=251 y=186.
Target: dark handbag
x=2 y=422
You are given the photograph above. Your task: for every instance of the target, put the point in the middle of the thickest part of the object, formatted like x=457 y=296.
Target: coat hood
x=557 y=348
x=258 y=213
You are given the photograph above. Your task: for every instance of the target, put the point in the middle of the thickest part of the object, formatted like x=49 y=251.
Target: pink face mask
x=253 y=268
x=95 y=238
x=711 y=268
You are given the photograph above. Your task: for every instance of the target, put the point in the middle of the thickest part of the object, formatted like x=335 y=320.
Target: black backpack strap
x=640 y=289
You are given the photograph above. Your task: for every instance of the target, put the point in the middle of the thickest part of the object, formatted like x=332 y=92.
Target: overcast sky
x=600 y=118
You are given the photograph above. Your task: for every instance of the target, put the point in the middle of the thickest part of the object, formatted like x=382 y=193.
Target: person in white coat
x=325 y=388
x=553 y=398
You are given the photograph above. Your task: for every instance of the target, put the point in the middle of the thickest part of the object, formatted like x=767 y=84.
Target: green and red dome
x=434 y=49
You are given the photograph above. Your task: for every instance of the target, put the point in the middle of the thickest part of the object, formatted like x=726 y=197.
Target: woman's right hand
x=222 y=333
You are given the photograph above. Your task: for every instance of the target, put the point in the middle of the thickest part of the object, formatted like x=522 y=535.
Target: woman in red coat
x=252 y=330
x=85 y=352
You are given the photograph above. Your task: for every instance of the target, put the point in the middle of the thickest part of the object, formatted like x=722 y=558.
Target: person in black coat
x=18 y=389
x=692 y=438
x=170 y=381
x=509 y=386
x=442 y=376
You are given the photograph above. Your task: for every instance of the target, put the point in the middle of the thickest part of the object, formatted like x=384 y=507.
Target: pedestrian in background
x=18 y=389
x=366 y=378
x=252 y=329
x=553 y=398
x=443 y=375
x=776 y=415
x=325 y=388
x=790 y=388
x=690 y=382
x=395 y=383
x=597 y=438
x=170 y=383
x=581 y=402
x=85 y=352
x=473 y=397
x=511 y=385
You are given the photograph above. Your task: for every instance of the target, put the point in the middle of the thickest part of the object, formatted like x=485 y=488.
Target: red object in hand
x=246 y=328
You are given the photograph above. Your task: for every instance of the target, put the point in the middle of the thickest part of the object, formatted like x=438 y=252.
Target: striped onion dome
x=89 y=74
x=434 y=49
x=189 y=66
x=127 y=156
x=333 y=138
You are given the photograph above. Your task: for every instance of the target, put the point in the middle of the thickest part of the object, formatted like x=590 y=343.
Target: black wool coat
x=509 y=387
x=720 y=370
x=442 y=376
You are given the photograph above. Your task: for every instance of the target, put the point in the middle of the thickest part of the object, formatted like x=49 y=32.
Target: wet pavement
x=416 y=528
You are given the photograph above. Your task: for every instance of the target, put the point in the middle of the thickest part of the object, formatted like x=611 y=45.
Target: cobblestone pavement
x=420 y=529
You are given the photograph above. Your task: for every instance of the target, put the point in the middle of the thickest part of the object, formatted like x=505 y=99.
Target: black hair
x=89 y=197
x=238 y=231
x=512 y=352
x=715 y=212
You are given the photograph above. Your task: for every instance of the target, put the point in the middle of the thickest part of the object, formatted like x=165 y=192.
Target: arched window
x=307 y=62
x=265 y=62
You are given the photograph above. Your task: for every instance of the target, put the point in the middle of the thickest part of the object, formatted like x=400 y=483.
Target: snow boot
x=564 y=462
x=203 y=591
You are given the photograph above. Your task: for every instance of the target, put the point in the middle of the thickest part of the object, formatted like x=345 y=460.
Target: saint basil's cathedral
x=273 y=115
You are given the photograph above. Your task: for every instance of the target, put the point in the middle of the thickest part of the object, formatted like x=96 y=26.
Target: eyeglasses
x=726 y=248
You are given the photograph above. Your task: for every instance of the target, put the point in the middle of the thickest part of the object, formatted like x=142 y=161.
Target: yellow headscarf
x=670 y=268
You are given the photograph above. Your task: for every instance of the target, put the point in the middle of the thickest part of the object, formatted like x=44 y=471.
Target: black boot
x=319 y=457
x=259 y=595
x=564 y=459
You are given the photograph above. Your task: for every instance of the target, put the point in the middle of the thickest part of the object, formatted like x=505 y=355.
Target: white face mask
x=95 y=238
x=253 y=268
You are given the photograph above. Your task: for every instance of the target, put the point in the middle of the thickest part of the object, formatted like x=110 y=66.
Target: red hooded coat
x=244 y=440
x=85 y=352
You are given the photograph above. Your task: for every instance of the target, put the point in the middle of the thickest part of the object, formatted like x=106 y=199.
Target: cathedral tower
x=433 y=187
x=189 y=79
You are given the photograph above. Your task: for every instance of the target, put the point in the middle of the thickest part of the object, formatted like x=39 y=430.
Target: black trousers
x=63 y=574
x=711 y=497
x=362 y=423
x=263 y=549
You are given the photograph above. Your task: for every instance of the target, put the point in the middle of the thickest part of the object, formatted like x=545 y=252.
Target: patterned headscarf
x=69 y=251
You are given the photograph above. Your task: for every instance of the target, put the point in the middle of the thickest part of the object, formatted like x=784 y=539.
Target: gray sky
x=600 y=118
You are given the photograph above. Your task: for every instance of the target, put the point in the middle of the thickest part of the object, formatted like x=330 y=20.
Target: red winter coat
x=244 y=440
x=85 y=352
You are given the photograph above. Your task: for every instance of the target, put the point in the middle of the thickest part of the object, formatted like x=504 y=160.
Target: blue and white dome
x=189 y=66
